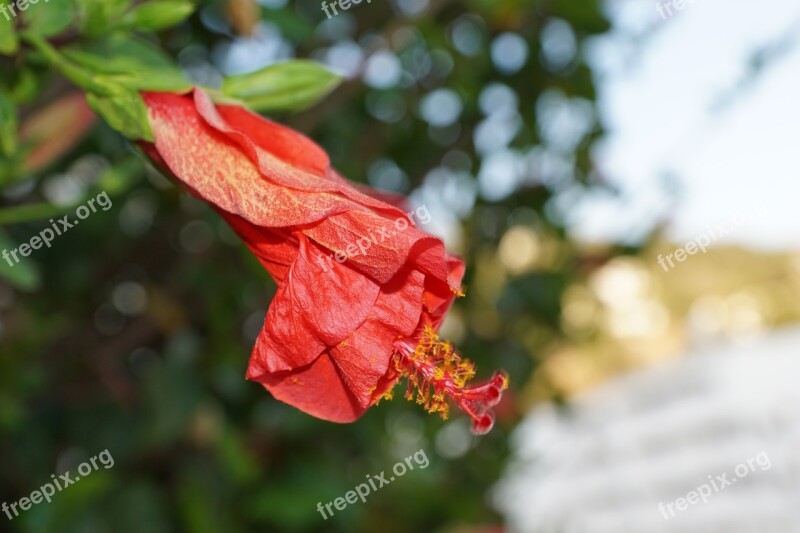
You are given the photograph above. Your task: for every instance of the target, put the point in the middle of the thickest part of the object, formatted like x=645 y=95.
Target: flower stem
x=72 y=72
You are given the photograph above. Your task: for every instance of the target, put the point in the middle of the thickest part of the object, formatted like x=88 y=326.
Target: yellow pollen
x=431 y=370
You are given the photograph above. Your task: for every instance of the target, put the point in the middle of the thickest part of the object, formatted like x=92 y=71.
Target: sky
x=695 y=138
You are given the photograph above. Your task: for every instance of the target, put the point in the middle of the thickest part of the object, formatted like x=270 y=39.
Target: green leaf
x=8 y=36
x=24 y=274
x=125 y=112
x=292 y=85
x=46 y=18
x=129 y=62
x=118 y=55
x=99 y=17
x=154 y=16
x=8 y=126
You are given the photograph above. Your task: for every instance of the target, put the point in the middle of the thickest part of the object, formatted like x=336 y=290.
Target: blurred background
x=561 y=147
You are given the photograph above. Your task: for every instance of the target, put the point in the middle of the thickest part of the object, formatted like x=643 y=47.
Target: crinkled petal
x=276 y=249
x=312 y=310
x=216 y=169
x=283 y=155
x=374 y=245
x=317 y=389
x=363 y=358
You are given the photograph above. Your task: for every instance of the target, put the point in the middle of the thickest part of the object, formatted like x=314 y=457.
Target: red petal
x=268 y=145
x=333 y=302
x=284 y=143
x=316 y=389
x=439 y=295
x=313 y=309
x=215 y=169
x=400 y=303
x=387 y=249
x=276 y=250
x=363 y=357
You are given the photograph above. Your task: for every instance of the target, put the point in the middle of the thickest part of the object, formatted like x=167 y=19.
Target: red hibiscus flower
x=361 y=291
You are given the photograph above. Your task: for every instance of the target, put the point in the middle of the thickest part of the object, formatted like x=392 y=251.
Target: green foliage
x=128 y=62
x=285 y=86
x=154 y=16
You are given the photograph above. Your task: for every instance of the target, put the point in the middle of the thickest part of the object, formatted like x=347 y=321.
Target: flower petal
x=217 y=170
x=276 y=250
x=386 y=249
x=363 y=358
x=277 y=151
x=316 y=389
x=312 y=310
x=282 y=142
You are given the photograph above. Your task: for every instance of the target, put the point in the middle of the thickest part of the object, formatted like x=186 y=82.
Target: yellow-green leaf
x=291 y=85
x=8 y=34
x=154 y=16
